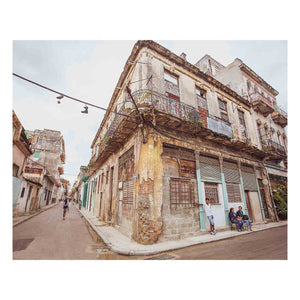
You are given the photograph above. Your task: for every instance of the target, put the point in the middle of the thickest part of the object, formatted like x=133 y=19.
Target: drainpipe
x=200 y=198
x=271 y=195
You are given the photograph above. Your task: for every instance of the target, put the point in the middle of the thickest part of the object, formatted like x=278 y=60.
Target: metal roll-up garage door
x=231 y=172
x=249 y=179
x=210 y=168
x=232 y=179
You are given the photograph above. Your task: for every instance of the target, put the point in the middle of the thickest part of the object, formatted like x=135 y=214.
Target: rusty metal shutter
x=178 y=152
x=128 y=191
x=233 y=192
x=210 y=168
x=249 y=179
x=231 y=172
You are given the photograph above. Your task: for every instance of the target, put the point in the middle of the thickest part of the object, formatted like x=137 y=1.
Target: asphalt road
x=48 y=236
x=270 y=244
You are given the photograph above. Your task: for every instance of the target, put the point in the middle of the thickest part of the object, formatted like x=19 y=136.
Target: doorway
x=111 y=192
x=249 y=205
x=28 y=196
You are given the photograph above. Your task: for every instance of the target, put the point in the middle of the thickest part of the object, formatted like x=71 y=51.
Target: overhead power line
x=72 y=98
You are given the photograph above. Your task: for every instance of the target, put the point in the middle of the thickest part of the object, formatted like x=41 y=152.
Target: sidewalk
x=121 y=244
x=20 y=219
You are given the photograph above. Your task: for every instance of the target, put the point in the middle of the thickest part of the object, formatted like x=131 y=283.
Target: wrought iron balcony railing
x=166 y=105
x=270 y=145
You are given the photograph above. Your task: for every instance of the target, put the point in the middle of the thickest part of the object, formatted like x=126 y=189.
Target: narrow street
x=48 y=236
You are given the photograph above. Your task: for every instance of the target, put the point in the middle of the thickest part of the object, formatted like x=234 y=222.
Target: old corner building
x=177 y=133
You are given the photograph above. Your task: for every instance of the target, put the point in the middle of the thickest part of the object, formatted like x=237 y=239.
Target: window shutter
x=128 y=191
x=233 y=192
x=210 y=168
x=231 y=172
x=249 y=179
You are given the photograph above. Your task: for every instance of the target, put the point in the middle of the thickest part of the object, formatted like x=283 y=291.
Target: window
x=15 y=170
x=36 y=154
x=211 y=192
x=107 y=173
x=250 y=88
x=22 y=193
x=223 y=110
x=181 y=193
x=242 y=123
x=241 y=118
x=201 y=92
x=171 y=78
x=171 y=84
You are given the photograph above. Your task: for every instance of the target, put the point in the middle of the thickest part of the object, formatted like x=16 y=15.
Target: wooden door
x=249 y=205
x=111 y=192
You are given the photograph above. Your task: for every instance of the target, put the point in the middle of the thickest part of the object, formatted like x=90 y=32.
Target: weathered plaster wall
x=255 y=205
x=177 y=222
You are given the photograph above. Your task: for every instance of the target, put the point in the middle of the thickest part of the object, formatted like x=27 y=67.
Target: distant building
x=48 y=159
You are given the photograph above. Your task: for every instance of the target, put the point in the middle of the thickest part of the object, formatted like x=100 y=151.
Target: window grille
x=211 y=192
x=181 y=193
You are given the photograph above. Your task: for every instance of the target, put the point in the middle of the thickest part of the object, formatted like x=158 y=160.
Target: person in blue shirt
x=245 y=218
x=234 y=219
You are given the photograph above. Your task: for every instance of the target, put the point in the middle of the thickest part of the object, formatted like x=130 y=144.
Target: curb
x=133 y=252
x=33 y=215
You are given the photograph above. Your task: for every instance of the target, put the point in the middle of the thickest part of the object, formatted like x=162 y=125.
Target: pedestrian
x=209 y=214
x=245 y=218
x=235 y=219
x=65 y=208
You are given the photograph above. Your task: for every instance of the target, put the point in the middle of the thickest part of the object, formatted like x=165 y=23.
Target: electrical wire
x=72 y=98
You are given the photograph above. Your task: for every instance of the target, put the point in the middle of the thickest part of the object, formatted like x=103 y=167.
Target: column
x=242 y=187
x=200 y=198
x=224 y=190
x=259 y=196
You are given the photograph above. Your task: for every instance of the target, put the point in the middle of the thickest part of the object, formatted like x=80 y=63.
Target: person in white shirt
x=209 y=214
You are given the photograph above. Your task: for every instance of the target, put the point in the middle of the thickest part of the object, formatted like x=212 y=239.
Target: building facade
x=45 y=165
x=174 y=135
x=21 y=151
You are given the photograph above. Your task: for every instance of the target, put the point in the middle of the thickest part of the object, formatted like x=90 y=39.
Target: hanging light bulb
x=59 y=98
x=85 y=111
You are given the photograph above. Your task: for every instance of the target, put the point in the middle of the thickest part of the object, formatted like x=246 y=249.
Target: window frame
x=223 y=111
x=211 y=185
x=179 y=189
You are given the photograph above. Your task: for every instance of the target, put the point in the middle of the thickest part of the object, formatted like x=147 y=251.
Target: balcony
x=269 y=145
x=164 y=113
x=261 y=104
x=279 y=117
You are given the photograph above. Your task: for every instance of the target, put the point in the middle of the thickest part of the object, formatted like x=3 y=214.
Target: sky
x=89 y=70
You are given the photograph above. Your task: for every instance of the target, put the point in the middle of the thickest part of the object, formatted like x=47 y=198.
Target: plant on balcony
x=201 y=123
x=265 y=148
